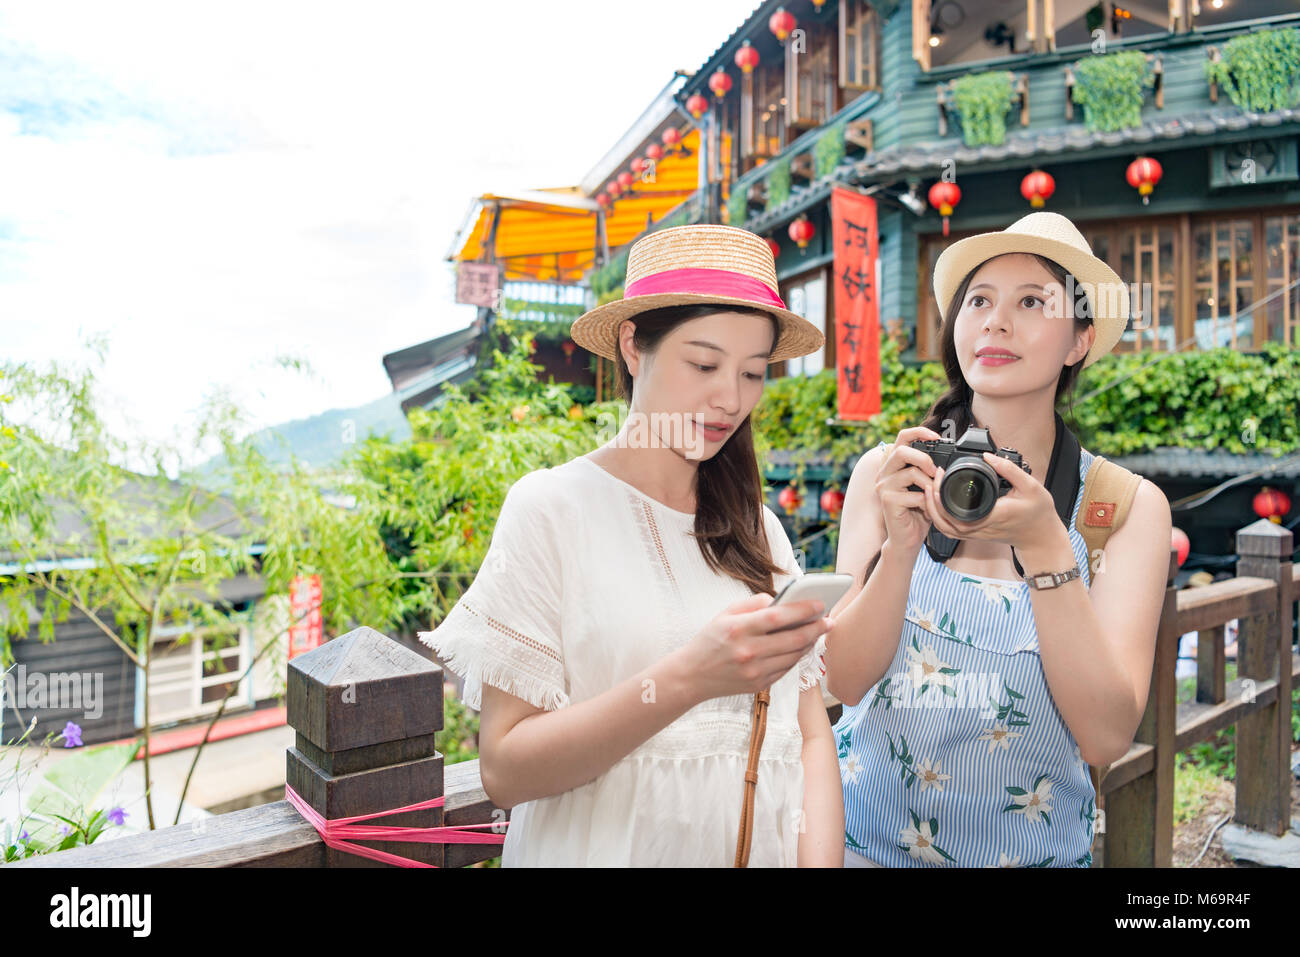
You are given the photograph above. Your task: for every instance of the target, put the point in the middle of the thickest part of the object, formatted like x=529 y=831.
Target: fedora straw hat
x=703 y=263
x=1055 y=237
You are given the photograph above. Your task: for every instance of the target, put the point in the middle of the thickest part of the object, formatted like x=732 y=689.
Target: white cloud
x=213 y=184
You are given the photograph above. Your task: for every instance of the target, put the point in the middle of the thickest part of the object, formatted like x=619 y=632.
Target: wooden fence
x=365 y=709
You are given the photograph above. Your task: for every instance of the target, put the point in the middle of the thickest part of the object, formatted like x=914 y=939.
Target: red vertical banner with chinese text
x=306 y=630
x=857 y=304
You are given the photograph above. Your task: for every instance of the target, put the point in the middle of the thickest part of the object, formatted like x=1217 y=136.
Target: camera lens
x=968 y=491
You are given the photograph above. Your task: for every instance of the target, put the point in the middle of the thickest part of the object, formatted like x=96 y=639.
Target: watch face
x=1044 y=581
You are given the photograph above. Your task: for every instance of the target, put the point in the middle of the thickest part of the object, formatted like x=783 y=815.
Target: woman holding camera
x=975 y=698
x=618 y=631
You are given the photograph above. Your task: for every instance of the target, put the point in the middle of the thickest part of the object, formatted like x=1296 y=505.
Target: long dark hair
x=954 y=405
x=728 y=488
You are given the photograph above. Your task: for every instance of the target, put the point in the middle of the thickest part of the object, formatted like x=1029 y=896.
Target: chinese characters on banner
x=304 y=610
x=477 y=284
x=857 y=305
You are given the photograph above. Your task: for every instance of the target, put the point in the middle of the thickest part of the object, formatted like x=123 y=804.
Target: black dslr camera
x=970 y=486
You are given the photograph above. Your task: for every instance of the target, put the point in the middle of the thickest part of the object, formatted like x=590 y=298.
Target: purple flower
x=71 y=735
x=63 y=829
x=117 y=816
x=23 y=836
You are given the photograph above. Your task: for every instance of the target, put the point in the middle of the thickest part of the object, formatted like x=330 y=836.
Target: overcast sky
x=215 y=185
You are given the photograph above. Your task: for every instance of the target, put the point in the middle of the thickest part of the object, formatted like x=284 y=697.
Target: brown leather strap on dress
x=757 y=730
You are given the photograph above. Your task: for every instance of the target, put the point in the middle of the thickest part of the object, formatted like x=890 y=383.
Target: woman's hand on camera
x=751 y=644
x=1023 y=517
x=906 y=520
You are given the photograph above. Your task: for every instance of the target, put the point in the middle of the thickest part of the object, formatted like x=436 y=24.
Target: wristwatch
x=1052 y=579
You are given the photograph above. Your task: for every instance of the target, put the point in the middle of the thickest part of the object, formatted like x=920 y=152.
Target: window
x=193 y=668
x=859 y=36
x=1143 y=253
x=810 y=80
x=1224 y=273
x=808 y=299
x=1282 y=278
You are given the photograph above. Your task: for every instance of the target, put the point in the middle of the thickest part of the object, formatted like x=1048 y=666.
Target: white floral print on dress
x=998 y=737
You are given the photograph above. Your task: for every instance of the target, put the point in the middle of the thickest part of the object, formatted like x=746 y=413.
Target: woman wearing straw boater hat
x=987 y=674
x=641 y=705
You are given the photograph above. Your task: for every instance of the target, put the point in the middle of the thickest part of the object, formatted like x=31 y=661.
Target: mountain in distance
x=321 y=441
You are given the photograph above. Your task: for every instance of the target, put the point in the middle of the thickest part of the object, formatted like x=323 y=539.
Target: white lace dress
x=586 y=582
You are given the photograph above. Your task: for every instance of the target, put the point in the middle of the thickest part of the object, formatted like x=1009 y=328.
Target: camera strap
x=1062 y=481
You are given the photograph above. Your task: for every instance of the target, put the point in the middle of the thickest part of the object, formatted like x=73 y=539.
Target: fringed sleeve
x=505 y=629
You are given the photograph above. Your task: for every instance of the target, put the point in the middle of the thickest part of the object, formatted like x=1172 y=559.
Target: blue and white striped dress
x=958 y=756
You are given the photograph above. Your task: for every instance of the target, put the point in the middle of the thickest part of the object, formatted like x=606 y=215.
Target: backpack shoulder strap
x=1108 y=491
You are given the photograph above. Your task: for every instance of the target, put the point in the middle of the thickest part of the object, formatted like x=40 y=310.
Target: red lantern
x=802 y=231
x=1272 y=504
x=654 y=151
x=773 y=245
x=789 y=499
x=944 y=197
x=1037 y=187
x=697 y=104
x=781 y=23
x=568 y=346
x=1143 y=174
x=832 y=501
x=746 y=57
x=625 y=180
x=1178 y=539
x=613 y=189
x=602 y=199
x=637 y=166
x=720 y=84
x=672 y=136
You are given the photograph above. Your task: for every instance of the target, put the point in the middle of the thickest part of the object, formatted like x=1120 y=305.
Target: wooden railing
x=365 y=709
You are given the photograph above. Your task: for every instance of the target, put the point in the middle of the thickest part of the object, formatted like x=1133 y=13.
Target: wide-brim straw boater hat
x=1055 y=237
x=703 y=263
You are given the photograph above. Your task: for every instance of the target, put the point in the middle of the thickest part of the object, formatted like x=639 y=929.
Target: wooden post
x=365 y=709
x=1210 y=665
x=1139 y=815
x=1263 y=653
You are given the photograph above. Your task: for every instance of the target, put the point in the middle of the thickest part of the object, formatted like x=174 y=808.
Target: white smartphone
x=826 y=587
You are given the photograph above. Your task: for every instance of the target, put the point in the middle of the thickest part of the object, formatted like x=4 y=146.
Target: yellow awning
x=554 y=240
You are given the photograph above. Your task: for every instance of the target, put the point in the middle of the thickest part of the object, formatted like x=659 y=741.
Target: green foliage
x=778 y=183
x=458 y=739
x=738 y=205
x=981 y=102
x=828 y=151
x=1110 y=88
x=1259 y=70
x=552 y=331
x=1211 y=399
x=607 y=281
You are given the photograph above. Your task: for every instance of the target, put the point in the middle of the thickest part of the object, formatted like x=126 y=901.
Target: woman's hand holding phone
x=907 y=521
x=751 y=644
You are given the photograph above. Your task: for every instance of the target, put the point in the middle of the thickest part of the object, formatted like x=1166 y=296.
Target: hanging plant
x=1110 y=88
x=738 y=205
x=778 y=184
x=1259 y=70
x=828 y=150
x=981 y=102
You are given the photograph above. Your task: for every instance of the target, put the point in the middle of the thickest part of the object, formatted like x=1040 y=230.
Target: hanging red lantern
x=672 y=136
x=944 y=197
x=1143 y=174
x=1037 y=187
x=637 y=166
x=625 y=179
x=696 y=104
x=802 y=231
x=781 y=23
x=613 y=189
x=789 y=499
x=720 y=84
x=1179 y=541
x=746 y=57
x=1272 y=504
x=653 y=152
x=568 y=346
x=773 y=245
x=832 y=502
x=602 y=199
